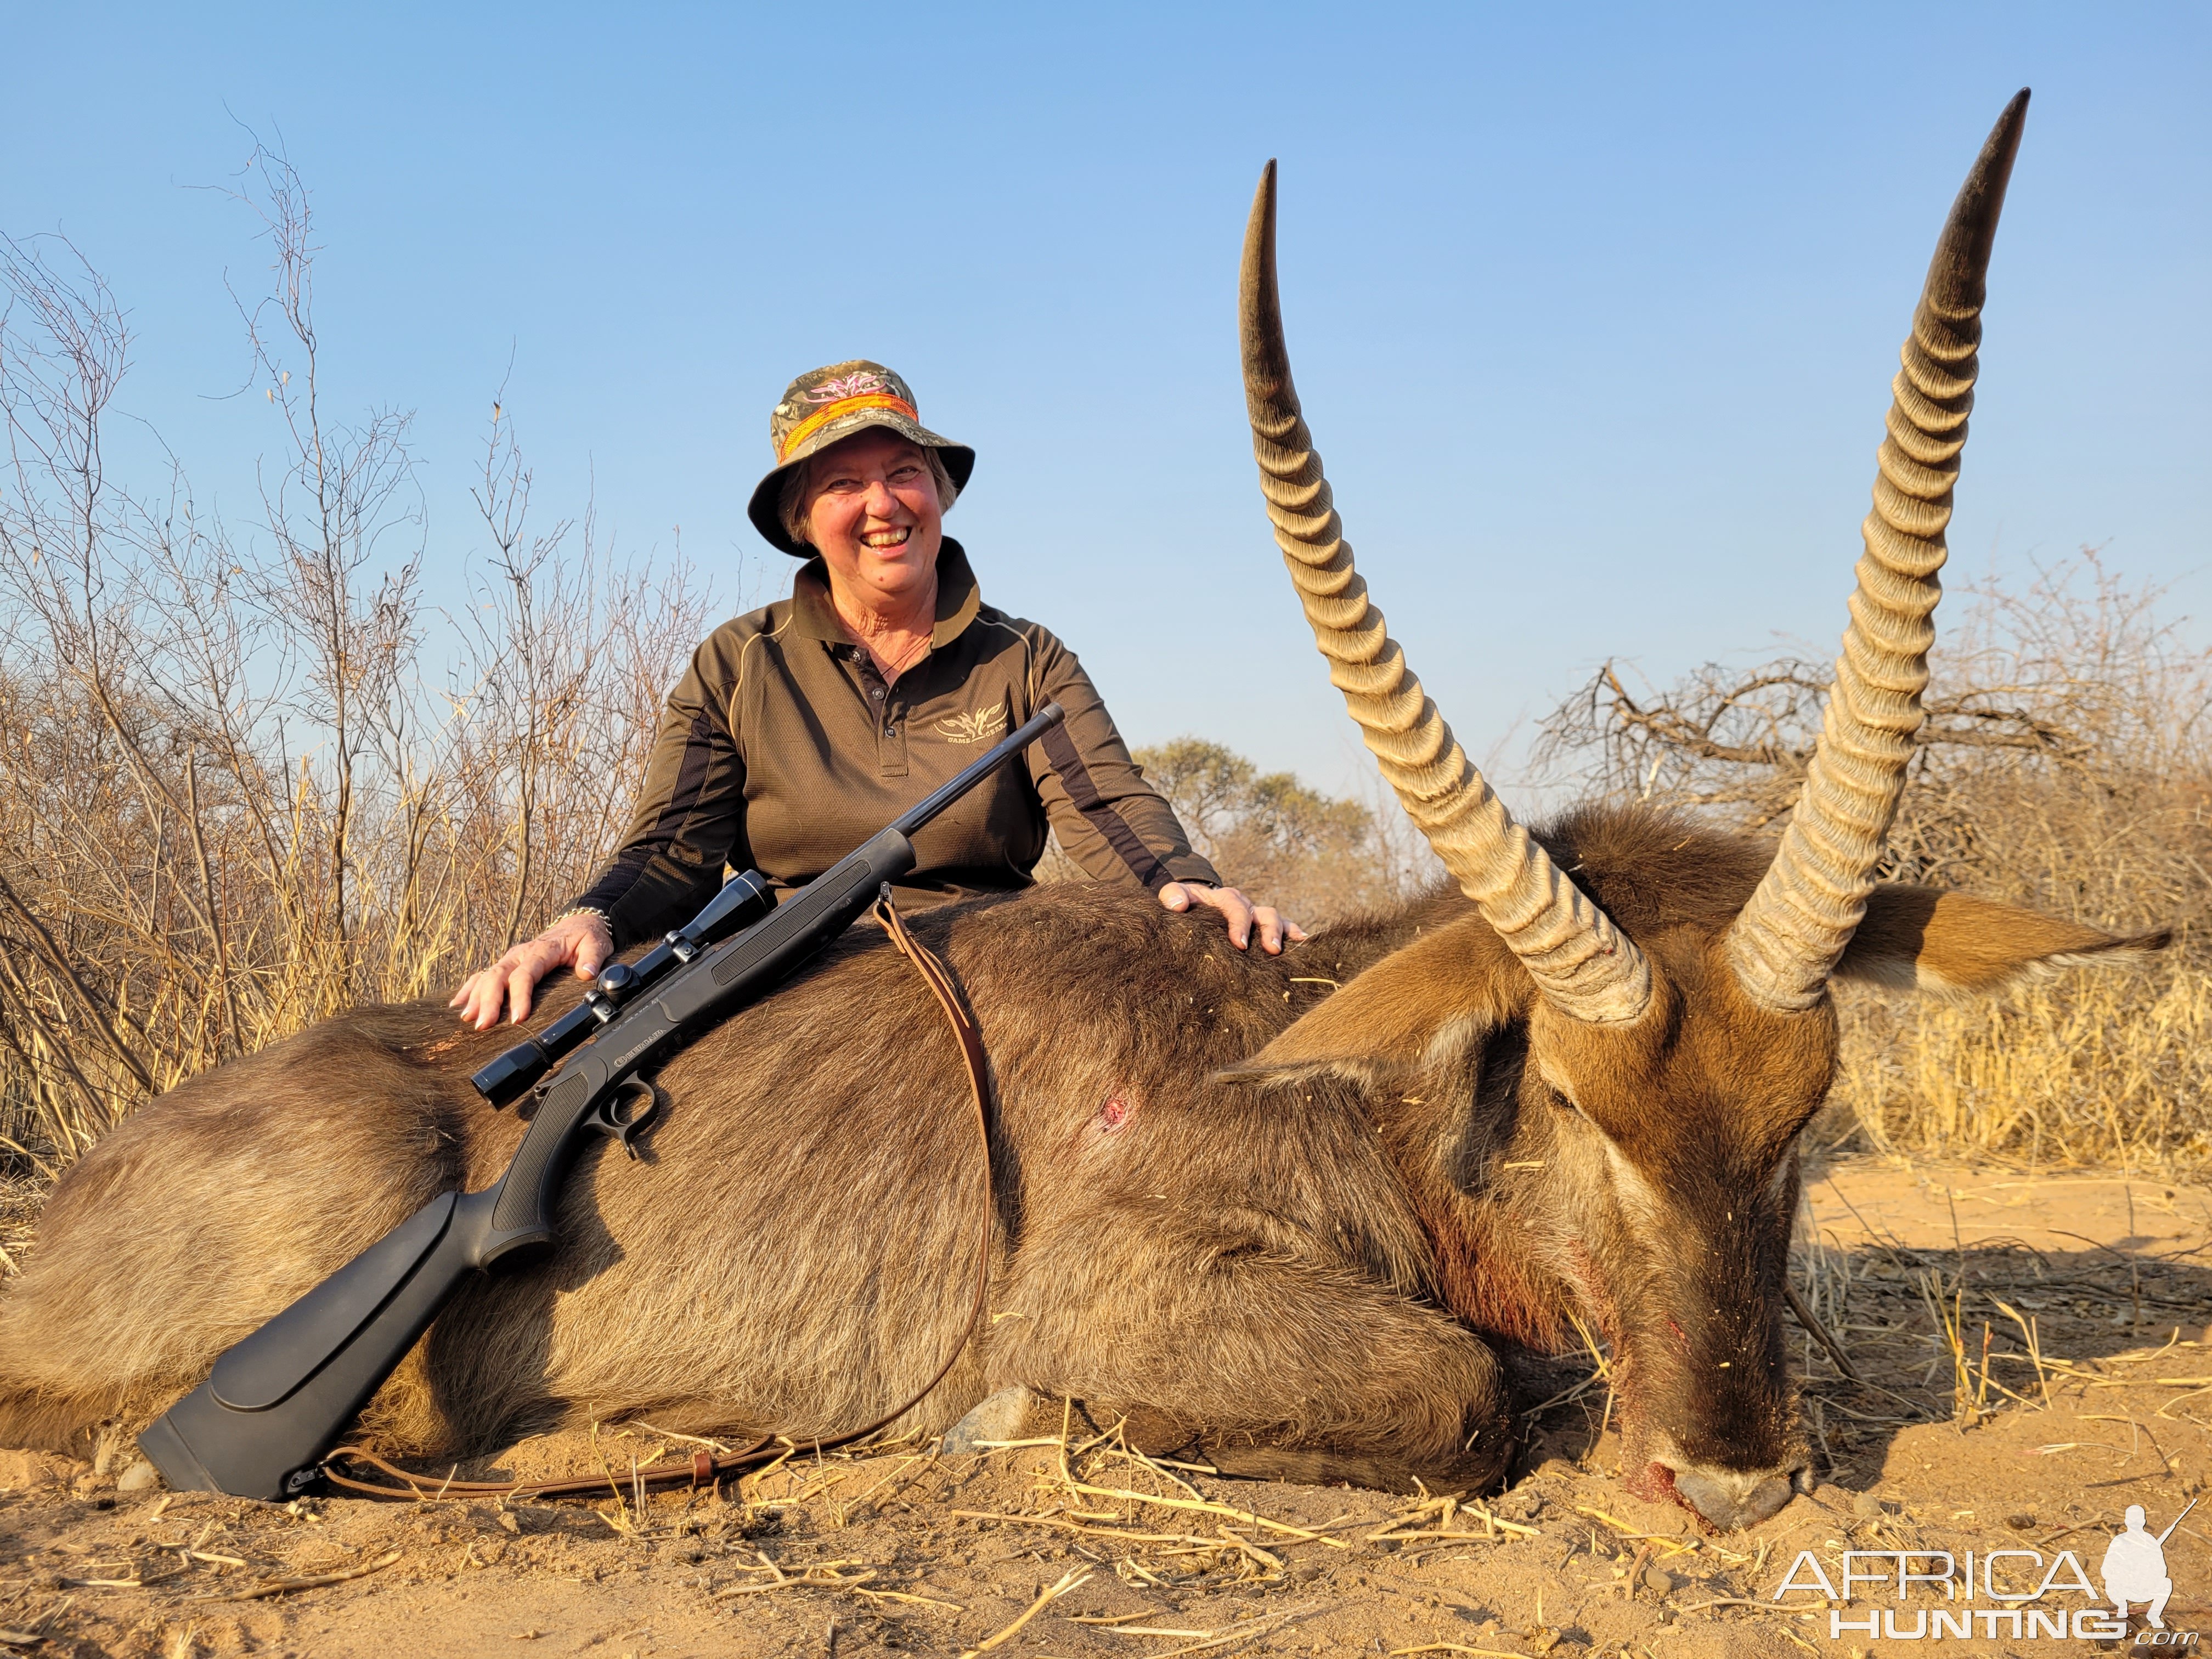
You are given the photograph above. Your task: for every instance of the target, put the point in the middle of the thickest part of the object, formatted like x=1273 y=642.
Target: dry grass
x=249 y=776
x=2067 y=765
x=239 y=787
x=2103 y=1070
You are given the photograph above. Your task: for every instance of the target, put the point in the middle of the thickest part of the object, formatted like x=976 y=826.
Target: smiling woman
x=803 y=727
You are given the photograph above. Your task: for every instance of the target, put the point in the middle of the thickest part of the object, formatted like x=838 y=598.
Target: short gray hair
x=794 y=505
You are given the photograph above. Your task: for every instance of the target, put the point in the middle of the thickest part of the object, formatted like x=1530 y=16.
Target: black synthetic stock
x=269 y=1367
x=276 y=1401
x=204 y=1444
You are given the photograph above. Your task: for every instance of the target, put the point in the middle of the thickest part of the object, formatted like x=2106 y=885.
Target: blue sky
x=1594 y=309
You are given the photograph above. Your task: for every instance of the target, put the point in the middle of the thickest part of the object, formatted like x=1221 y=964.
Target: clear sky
x=1594 y=309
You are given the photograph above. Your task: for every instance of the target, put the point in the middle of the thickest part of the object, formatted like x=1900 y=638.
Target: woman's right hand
x=580 y=940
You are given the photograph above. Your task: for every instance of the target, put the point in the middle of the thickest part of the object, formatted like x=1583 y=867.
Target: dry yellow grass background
x=248 y=777
x=2065 y=766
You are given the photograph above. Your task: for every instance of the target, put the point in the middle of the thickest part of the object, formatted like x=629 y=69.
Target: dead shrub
x=239 y=787
x=2066 y=764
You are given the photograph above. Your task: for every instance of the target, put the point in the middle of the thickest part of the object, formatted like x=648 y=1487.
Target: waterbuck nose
x=1731 y=1498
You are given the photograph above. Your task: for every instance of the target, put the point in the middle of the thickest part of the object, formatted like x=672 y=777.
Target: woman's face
x=874 y=516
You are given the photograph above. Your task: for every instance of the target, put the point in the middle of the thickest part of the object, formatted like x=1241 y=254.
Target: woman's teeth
x=887 y=537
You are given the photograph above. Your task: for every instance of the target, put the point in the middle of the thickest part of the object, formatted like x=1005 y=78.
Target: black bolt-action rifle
x=276 y=1401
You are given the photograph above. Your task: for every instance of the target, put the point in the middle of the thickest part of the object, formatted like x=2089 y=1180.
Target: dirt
x=2098 y=1396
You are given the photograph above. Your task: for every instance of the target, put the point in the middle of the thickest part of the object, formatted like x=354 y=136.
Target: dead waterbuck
x=1289 y=1225
x=1655 y=1029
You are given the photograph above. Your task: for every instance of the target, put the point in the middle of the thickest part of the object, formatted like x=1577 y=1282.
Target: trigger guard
x=626 y=1112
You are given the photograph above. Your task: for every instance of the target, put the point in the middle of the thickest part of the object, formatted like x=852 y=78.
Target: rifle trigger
x=626 y=1112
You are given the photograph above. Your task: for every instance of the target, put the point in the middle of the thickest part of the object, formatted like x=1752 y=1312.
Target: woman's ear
x=1424 y=1003
x=1922 y=939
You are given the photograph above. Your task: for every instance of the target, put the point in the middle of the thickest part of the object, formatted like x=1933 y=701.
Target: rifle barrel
x=931 y=804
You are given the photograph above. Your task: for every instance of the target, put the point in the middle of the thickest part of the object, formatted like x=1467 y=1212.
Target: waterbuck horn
x=1585 y=966
x=1796 y=924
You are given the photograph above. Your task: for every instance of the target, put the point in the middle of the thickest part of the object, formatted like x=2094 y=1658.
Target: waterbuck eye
x=1560 y=1097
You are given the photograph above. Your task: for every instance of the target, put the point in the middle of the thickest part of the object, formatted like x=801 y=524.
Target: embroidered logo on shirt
x=974 y=728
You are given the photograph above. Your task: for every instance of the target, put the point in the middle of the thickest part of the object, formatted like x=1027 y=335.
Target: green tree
x=1312 y=855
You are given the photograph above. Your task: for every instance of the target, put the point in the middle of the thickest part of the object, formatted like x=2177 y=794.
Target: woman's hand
x=1242 y=915
x=581 y=940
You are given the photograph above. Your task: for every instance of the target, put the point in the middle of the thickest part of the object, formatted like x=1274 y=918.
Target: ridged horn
x=1788 y=936
x=1585 y=966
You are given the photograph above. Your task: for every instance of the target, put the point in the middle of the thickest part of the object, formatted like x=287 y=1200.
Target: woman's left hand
x=1242 y=915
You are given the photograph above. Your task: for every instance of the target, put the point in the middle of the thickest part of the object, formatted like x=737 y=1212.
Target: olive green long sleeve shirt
x=782 y=749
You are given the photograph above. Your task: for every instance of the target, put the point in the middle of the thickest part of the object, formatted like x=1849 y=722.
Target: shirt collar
x=958 y=599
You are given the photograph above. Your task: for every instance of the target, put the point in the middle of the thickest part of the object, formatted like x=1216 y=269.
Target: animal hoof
x=999 y=1417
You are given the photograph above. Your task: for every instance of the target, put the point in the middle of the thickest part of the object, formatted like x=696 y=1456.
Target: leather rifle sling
x=706 y=1468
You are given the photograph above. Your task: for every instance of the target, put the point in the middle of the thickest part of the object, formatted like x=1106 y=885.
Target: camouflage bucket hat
x=826 y=405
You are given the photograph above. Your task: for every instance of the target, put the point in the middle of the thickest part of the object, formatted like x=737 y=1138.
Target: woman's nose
x=879 y=501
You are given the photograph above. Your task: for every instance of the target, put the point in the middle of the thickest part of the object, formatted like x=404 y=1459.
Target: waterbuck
x=1286 y=1212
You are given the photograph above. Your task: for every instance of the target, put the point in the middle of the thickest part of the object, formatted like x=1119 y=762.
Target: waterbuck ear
x=1922 y=939
x=1421 y=1004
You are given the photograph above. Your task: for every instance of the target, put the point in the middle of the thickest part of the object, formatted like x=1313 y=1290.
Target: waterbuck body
x=793 y=1249
x=1304 y=1267
x=1289 y=1212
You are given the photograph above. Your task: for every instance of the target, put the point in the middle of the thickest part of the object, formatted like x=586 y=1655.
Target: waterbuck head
x=1596 y=1079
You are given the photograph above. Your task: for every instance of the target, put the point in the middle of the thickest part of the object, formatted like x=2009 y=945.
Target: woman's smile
x=876 y=521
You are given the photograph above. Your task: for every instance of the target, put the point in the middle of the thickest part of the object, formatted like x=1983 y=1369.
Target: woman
x=803 y=728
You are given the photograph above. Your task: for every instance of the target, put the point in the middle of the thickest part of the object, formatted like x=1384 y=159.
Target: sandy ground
x=2097 y=1395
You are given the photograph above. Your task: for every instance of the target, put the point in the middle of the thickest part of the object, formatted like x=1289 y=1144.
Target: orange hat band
x=844 y=406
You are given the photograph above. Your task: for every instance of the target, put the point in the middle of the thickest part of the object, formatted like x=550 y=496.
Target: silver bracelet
x=605 y=920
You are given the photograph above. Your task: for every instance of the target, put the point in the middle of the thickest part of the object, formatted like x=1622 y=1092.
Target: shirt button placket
x=890 y=743
x=890 y=758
